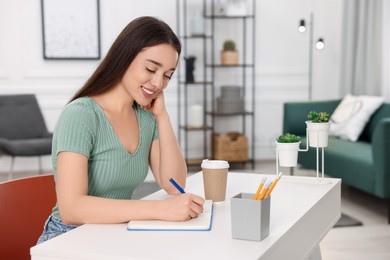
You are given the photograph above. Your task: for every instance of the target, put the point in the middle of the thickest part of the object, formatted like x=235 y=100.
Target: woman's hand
x=157 y=106
x=182 y=207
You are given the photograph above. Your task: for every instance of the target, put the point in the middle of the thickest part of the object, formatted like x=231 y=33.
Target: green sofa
x=364 y=164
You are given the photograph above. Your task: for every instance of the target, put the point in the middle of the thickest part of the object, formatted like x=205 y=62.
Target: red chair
x=25 y=205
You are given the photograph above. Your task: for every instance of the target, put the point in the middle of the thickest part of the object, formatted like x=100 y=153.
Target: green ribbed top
x=112 y=171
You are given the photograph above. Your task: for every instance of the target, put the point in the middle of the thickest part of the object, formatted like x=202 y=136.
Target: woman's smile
x=149 y=93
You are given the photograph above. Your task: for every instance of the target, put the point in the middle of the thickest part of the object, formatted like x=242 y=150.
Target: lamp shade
x=320 y=44
x=302 y=26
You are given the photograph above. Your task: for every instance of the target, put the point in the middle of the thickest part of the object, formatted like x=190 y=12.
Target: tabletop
x=303 y=210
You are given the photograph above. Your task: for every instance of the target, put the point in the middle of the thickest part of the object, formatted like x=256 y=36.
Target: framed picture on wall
x=70 y=29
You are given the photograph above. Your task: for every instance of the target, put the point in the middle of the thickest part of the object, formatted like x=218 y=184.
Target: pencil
x=259 y=188
x=264 y=191
x=273 y=185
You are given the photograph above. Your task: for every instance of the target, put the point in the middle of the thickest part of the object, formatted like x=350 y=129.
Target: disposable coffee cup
x=215 y=179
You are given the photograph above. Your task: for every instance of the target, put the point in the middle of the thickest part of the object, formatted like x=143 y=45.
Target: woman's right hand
x=182 y=207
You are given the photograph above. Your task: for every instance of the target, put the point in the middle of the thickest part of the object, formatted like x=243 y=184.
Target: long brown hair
x=140 y=33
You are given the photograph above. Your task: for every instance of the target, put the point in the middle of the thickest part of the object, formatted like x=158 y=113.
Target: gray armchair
x=23 y=131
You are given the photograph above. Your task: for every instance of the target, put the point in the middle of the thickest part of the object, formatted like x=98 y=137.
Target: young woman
x=114 y=128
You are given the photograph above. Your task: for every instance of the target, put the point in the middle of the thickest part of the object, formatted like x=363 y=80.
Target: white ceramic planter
x=318 y=134
x=287 y=154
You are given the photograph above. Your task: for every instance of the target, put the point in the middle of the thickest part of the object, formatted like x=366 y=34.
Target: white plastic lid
x=214 y=164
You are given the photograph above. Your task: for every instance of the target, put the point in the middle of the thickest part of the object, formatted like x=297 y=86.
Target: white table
x=303 y=210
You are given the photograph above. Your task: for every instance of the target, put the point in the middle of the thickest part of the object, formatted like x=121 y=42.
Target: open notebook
x=201 y=223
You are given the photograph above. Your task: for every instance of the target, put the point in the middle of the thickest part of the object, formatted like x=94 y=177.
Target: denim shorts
x=54 y=227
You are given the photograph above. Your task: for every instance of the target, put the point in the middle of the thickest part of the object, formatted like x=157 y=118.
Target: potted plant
x=287 y=147
x=318 y=127
x=229 y=54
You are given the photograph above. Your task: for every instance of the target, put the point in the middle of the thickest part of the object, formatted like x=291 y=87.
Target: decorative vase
x=318 y=134
x=288 y=153
x=229 y=57
x=190 y=67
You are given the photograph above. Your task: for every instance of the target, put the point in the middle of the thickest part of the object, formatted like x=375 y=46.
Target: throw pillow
x=352 y=114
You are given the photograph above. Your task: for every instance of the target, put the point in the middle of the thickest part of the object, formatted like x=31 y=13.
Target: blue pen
x=177 y=185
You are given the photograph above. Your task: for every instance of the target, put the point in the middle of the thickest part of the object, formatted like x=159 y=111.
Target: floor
x=369 y=241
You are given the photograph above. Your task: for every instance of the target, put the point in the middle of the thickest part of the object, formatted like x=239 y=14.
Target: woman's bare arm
x=77 y=207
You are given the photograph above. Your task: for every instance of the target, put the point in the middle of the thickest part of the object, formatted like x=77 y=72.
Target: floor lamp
x=319 y=45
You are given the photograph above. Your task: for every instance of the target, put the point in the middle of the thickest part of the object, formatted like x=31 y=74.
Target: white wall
x=281 y=57
x=386 y=50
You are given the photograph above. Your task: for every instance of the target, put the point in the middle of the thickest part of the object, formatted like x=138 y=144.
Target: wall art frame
x=70 y=29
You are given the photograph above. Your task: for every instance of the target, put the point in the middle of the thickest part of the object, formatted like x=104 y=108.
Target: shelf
x=229 y=66
x=228 y=17
x=193 y=162
x=246 y=113
x=234 y=164
x=196 y=82
x=211 y=76
x=243 y=161
x=198 y=36
x=198 y=162
x=196 y=128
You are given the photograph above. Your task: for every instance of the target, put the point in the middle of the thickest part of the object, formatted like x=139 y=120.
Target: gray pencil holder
x=250 y=218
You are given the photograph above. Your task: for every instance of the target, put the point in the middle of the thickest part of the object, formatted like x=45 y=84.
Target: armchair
x=23 y=131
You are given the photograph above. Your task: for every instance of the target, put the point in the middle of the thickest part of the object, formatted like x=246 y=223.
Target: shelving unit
x=207 y=83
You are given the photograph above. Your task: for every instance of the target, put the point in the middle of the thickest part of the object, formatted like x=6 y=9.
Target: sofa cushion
x=352 y=114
